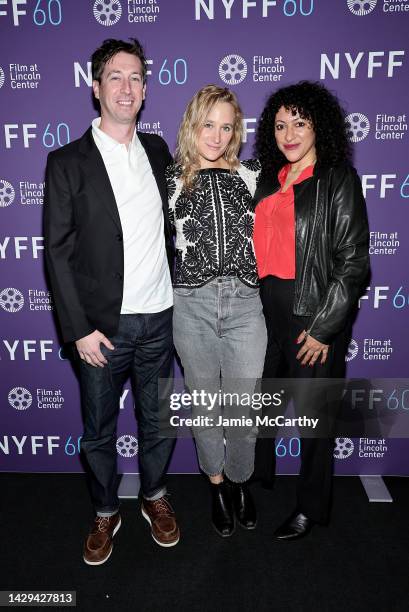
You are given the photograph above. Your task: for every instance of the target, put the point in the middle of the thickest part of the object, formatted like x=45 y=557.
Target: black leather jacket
x=332 y=242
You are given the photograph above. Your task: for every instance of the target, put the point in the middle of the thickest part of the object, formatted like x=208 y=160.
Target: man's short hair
x=111 y=47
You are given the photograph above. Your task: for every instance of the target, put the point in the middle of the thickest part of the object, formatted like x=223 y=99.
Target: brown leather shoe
x=161 y=517
x=98 y=545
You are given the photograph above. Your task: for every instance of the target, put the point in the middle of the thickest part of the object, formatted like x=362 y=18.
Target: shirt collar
x=106 y=142
x=306 y=173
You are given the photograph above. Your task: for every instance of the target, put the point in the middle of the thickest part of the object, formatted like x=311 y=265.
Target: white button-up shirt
x=147 y=283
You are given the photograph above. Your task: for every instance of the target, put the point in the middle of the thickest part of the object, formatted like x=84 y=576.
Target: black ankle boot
x=222 y=509
x=243 y=505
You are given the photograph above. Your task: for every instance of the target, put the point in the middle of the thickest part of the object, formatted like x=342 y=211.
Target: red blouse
x=274 y=229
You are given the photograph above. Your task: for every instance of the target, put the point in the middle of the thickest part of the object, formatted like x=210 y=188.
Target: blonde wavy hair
x=194 y=117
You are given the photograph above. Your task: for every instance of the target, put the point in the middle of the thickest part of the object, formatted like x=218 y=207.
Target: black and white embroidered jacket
x=214 y=224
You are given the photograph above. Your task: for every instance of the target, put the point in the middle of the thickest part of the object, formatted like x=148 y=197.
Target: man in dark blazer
x=109 y=253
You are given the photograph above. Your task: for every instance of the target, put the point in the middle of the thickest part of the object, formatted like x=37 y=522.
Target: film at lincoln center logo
x=11 y=299
x=357 y=126
x=20 y=398
x=107 y=12
x=7 y=193
x=127 y=446
x=2 y=77
x=352 y=350
x=233 y=69
x=344 y=447
x=361 y=7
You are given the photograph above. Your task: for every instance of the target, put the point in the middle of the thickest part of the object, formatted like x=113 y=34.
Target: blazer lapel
x=97 y=176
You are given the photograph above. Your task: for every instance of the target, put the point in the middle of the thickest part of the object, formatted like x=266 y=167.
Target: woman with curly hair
x=311 y=243
x=219 y=329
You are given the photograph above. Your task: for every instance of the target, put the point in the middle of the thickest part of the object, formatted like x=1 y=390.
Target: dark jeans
x=314 y=482
x=144 y=351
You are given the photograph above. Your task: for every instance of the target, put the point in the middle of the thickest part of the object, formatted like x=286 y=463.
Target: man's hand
x=89 y=348
x=311 y=350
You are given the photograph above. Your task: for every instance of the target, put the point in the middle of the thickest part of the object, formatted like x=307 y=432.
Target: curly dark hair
x=314 y=103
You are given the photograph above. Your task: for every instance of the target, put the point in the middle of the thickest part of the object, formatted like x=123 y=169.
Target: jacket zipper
x=312 y=234
x=312 y=324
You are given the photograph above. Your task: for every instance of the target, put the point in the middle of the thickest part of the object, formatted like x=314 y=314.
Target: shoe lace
x=103 y=523
x=163 y=506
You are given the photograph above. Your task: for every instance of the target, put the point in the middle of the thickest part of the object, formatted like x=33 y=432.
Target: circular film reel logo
x=352 y=351
x=344 y=447
x=7 y=193
x=357 y=126
x=11 y=300
x=2 y=77
x=20 y=398
x=127 y=446
x=361 y=7
x=232 y=69
x=107 y=12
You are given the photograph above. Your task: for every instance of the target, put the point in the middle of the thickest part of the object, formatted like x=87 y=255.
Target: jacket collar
x=320 y=170
x=269 y=182
x=97 y=175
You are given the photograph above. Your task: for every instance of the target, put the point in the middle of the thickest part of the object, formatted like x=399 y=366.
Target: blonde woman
x=219 y=328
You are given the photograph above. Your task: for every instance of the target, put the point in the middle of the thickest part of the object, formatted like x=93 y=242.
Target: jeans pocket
x=244 y=291
x=183 y=291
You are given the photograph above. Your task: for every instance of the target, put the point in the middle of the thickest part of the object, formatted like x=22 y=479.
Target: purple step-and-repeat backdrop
x=358 y=48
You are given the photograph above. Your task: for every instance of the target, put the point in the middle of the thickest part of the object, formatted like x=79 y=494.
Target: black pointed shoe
x=295 y=527
x=222 y=509
x=243 y=505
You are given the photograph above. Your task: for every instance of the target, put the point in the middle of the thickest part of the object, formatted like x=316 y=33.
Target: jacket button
x=118 y=276
x=119 y=237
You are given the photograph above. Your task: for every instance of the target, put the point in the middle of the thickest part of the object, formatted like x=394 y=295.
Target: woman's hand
x=311 y=350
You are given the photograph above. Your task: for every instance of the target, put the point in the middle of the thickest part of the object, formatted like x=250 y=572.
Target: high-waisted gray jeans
x=220 y=336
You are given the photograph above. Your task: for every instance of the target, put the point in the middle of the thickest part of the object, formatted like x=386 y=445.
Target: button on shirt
x=147 y=283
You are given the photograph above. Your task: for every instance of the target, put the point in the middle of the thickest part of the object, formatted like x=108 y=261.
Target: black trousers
x=314 y=482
